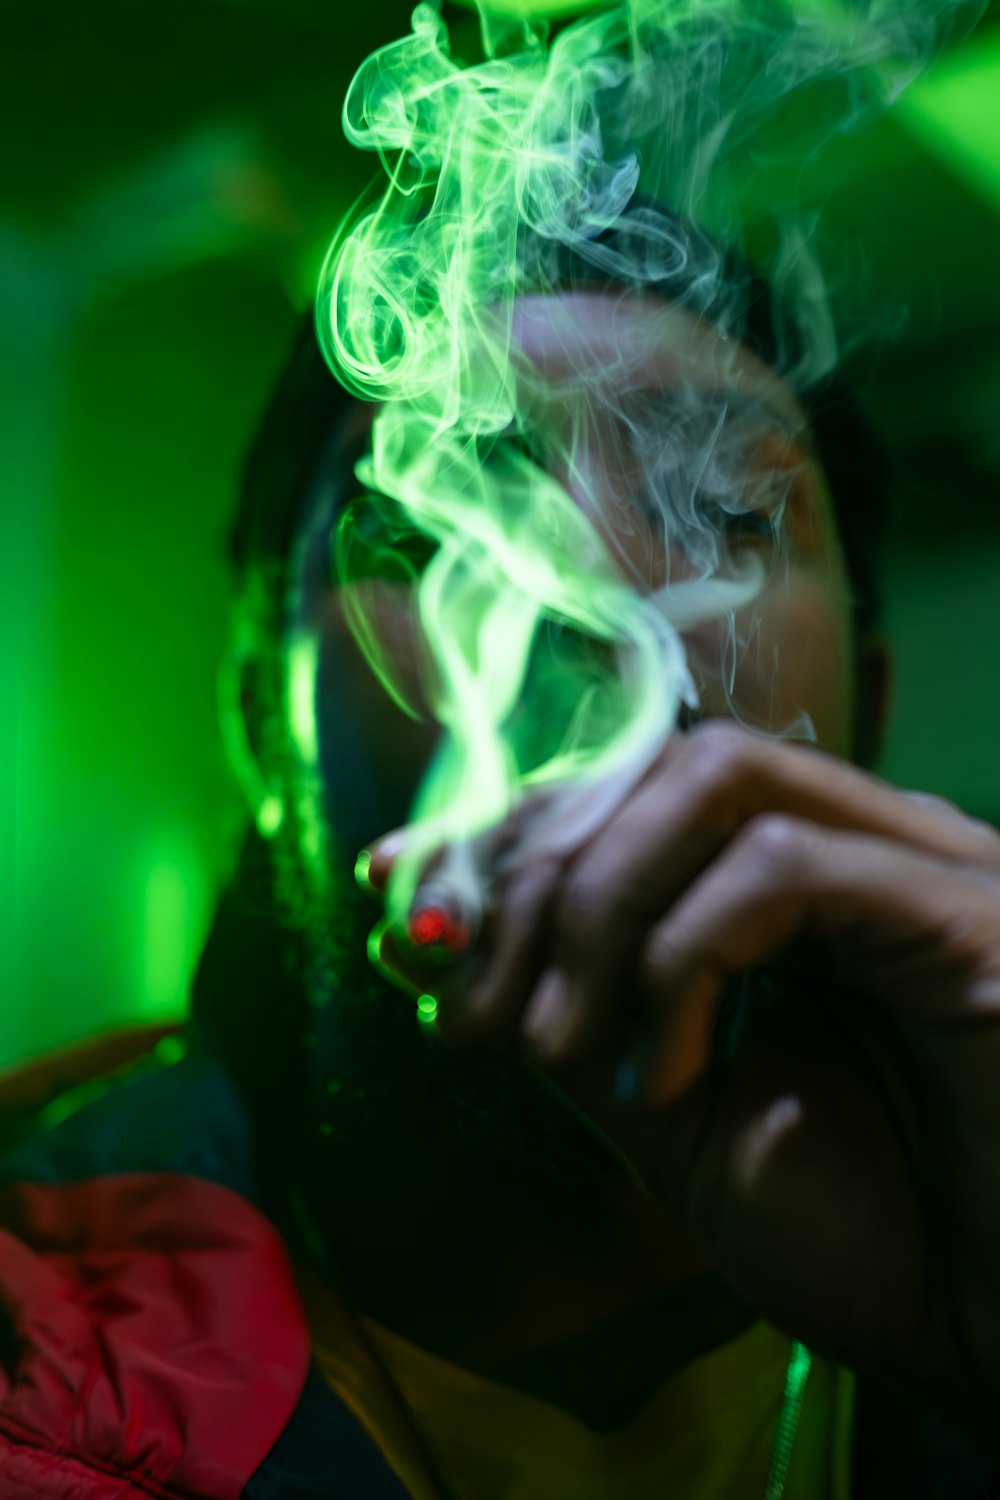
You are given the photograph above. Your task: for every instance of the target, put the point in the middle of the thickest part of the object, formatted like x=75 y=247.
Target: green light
x=175 y=902
x=415 y=310
x=427 y=1010
x=535 y=9
x=796 y=1376
x=302 y=659
x=67 y=1103
x=955 y=112
x=270 y=816
x=267 y=808
x=170 y=1051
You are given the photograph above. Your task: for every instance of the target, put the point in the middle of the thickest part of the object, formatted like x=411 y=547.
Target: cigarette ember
x=433 y=926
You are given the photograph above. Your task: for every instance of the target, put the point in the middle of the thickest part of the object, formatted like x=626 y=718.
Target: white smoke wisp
x=555 y=460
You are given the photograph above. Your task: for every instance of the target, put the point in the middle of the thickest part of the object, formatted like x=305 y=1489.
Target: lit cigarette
x=439 y=923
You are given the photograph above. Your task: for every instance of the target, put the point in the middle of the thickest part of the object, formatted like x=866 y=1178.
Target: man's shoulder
x=162 y=1109
x=152 y=1340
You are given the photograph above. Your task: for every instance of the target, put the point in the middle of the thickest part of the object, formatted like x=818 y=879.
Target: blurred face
x=685 y=452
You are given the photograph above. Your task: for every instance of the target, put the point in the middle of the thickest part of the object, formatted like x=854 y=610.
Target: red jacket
x=152 y=1341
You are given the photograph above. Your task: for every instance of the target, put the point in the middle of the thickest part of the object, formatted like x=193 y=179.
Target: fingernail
x=390 y=844
x=551 y=1013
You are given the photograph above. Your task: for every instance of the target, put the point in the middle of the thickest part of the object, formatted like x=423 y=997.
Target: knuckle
x=717 y=755
x=717 y=740
x=662 y=955
x=511 y=877
x=774 y=844
x=530 y=888
x=580 y=913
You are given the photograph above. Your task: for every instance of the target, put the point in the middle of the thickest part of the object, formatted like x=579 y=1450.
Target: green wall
x=176 y=175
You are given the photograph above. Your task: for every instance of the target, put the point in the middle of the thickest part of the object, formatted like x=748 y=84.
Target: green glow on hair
x=493 y=172
x=302 y=659
x=357 y=557
x=266 y=806
x=300 y=692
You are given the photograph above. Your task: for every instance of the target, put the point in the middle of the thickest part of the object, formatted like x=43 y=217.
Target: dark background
x=172 y=175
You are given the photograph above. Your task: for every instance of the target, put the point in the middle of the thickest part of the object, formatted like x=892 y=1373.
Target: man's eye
x=741 y=526
x=751 y=525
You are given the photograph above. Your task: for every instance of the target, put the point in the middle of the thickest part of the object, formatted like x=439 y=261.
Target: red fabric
x=161 y=1345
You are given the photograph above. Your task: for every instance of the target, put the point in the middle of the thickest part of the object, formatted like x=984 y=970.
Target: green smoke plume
x=607 y=151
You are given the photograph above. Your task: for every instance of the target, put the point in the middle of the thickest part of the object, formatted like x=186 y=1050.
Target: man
x=335 y=1251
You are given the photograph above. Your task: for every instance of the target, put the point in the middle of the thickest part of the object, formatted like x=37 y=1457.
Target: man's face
x=613 y=387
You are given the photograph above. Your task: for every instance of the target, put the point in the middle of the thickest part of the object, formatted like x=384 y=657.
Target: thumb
x=790 y=1172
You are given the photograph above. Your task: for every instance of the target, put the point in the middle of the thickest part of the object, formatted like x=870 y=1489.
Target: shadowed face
x=681 y=448
x=685 y=452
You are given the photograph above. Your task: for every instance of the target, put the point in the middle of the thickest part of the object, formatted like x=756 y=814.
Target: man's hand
x=842 y=1165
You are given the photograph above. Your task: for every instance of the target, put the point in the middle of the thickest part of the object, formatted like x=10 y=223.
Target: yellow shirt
x=707 y=1433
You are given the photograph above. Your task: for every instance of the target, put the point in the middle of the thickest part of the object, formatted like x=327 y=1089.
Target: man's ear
x=874 y=679
x=239 y=688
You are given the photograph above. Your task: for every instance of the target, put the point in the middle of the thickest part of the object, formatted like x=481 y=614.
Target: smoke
x=588 y=438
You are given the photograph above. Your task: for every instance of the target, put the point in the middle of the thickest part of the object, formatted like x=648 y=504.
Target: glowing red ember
x=434 y=926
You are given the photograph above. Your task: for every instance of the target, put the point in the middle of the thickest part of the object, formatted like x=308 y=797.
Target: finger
x=455 y=872
x=708 y=784
x=513 y=949
x=917 y=932
x=985 y=850
x=374 y=864
x=438 y=926
x=611 y=894
x=762 y=1166
x=938 y=806
x=441 y=926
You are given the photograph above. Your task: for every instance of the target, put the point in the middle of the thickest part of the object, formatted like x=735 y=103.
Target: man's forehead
x=606 y=344
x=589 y=355
x=611 y=344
